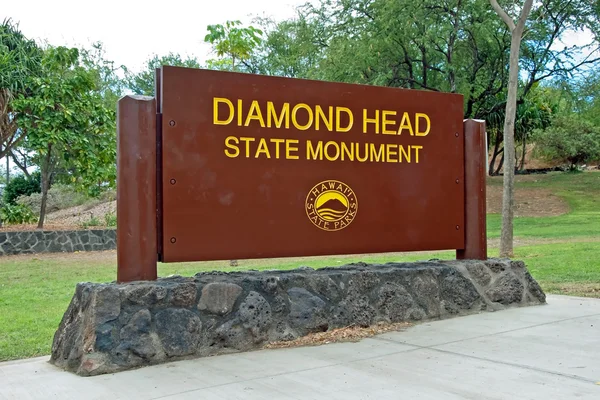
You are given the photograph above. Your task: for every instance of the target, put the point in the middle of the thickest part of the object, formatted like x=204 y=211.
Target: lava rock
x=255 y=314
x=307 y=311
x=219 y=297
x=178 y=330
x=507 y=289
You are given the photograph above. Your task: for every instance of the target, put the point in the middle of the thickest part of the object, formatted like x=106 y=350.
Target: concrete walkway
x=545 y=352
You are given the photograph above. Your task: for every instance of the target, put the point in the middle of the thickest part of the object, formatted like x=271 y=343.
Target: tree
x=20 y=58
x=533 y=112
x=516 y=32
x=234 y=41
x=66 y=122
x=569 y=138
x=142 y=83
x=291 y=48
x=107 y=75
x=545 y=54
x=21 y=185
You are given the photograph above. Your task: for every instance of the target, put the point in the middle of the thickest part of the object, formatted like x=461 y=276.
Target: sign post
x=136 y=189
x=232 y=166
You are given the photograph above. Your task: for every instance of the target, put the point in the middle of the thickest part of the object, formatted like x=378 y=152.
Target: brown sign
x=256 y=166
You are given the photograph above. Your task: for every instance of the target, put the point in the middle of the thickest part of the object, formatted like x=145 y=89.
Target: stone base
x=115 y=327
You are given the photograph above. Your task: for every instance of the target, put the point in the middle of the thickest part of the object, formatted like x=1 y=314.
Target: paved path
x=545 y=352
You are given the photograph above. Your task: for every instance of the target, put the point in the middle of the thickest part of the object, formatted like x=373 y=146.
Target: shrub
x=110 y=219
x=92 y=222
x=17 y=214
x=59 y=198
x=22 y=186
x=569 y=139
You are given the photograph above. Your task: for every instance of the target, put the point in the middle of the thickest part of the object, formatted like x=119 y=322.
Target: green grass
x=581 y=191
x=35 y=291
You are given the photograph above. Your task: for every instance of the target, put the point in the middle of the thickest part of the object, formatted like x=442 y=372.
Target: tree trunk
x=506 y=235
x=497 y=151
x=500 y=165
x=46 y=172
x=524 y=153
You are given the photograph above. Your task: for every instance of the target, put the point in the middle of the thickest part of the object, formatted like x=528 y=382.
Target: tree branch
x=505 y=17
x=524 y=14
x=22 y=167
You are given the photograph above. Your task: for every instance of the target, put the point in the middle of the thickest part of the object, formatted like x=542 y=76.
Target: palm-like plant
x=20 y=59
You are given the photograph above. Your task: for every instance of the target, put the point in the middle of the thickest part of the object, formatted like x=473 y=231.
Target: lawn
x=561 y=252
x=581 y=191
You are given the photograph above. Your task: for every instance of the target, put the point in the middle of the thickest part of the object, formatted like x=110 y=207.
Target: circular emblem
x=331 y=205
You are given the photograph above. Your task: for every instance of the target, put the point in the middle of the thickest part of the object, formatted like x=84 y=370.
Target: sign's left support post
x=136 y=189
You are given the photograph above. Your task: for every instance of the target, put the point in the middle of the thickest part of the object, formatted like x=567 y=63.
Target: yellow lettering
x=328 y=122
x=216 y=102
x=367 y=120
x=247 y=140
x=417 y=148
x=289 y=148
x=277 y=143
x=358 y=157
x=285 y=113
x=386 y=122
x=377 y=155
x=262 y=149
x=390 y=151
x=255 y=114
x=347 y=151
x=328 y=145
x=236 y=150
x=405 y=153
x=417 y=131
x=405 y=124
x=310 y=116
x=312 y=153
x=239 y=113
x=338 y=116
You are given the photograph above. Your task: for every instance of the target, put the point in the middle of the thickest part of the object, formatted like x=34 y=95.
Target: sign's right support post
x=475 y=197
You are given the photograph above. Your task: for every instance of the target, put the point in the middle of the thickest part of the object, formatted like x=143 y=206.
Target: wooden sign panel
x=256 y=166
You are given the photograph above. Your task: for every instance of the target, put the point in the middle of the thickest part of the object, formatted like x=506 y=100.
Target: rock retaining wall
x=114 y=327
x=28 y=242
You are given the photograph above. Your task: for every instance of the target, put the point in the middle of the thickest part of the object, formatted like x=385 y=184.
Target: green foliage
x=20 y=59
x=142 y=83
x=92 y=222
x=60 y=196
x=110 y=220
x=106 y=74
x=21 y=185
x=67 y=121
x=234 y=41
x=17 y=214
x=291 y=48
x=571 y=139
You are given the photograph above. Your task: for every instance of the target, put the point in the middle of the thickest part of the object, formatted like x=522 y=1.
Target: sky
x=133 y=30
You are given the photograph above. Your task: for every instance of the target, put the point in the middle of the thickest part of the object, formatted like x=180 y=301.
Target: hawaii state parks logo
x=331 y=205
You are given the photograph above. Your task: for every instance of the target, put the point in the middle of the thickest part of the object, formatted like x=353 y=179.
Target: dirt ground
x=71 y=218
x=528 y=202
